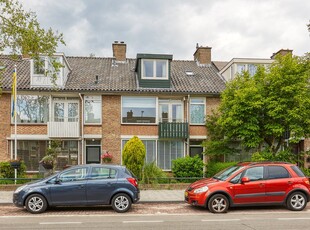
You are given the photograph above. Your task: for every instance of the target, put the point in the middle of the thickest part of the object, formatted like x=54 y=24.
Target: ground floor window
x=161 y=152
x=32 y=152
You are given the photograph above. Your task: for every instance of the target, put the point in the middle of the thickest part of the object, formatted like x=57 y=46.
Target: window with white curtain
x=167 y=152
x=92 y=110
x=197 y=110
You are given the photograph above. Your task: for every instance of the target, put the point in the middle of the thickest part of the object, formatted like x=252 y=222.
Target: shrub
x=284 y=155
x=187 y=167
x=215 y=167
x=152 y=174
x=6 y=171
x=134 y=155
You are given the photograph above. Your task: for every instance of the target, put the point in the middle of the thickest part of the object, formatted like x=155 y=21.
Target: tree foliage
x=134 y=155
x=21 y=33
x=258 y=110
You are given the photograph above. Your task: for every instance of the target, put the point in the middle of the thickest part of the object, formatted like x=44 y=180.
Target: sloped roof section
x=107 y=75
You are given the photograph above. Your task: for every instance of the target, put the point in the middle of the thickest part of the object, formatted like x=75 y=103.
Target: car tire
x=218 y=203
x=36 y=203
x=121 y=202
x=297 y=201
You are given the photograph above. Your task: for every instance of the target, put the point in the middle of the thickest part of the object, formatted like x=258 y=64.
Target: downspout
x=82 y=129
x=188 y=99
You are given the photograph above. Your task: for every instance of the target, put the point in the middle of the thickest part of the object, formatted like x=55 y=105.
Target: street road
x=155 y=216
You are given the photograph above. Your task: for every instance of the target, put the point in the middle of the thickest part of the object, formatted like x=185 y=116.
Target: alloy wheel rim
x=35 y=204
x=121 y=202
x=219 y=204
x=297 y=201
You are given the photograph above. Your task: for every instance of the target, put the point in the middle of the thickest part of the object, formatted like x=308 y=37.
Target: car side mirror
x=245 y=180
x=57 y=180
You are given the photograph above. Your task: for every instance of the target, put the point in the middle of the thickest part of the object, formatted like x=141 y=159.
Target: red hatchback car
x=263 y=183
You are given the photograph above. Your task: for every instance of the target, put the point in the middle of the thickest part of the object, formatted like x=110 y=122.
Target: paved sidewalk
x=145 y=196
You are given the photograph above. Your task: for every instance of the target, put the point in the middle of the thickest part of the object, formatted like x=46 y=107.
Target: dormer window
x=43 y=72
x=154 y=69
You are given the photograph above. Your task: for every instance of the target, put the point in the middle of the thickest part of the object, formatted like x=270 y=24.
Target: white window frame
x=93 y=98
x=154 y=69
x=197 y=103
x=170 y=103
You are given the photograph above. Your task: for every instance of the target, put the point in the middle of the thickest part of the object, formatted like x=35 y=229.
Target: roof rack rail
x=270 y=162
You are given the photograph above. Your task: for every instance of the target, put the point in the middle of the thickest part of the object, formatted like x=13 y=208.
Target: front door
x=93 y=154
x=193 y=151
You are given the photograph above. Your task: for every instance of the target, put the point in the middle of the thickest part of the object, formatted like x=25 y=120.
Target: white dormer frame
x=154 y=77
x=43 y=80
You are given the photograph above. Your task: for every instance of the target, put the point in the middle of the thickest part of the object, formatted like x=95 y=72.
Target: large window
x=92 y=110
x=139 y=110
x=240 y=68
x=150 y=148
x=156 y=69
x=170 y=111
x=31 y=152
x=32 y=109
x=168 y=151
x=65 y=109
x=44 y=65
x=252 y=69
x=197 y=111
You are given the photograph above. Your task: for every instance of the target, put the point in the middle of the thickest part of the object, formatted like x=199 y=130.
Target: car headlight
x=202 y=189
x=20 y=188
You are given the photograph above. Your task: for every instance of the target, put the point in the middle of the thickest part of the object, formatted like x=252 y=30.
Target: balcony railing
x=173 y=130
x=67 y=128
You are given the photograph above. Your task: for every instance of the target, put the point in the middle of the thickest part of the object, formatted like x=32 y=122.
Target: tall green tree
x=134 y=155
x=259 y=110
x=21 y=33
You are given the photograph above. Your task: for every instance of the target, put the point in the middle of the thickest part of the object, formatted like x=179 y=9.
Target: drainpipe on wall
x=188 y=101
x=82 y=129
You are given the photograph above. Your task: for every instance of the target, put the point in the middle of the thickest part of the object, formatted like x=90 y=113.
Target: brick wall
x=92 y=129
x=111 y=127
x=212 y=104
x=30 y=129
x=149 y=130
x=5 y=121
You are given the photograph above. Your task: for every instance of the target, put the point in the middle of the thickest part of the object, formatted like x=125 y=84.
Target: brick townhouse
x=100 y=103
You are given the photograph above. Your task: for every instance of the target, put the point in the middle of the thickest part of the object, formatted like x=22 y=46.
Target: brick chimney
x=119 y=51
x=281 y=52
x=202 y=55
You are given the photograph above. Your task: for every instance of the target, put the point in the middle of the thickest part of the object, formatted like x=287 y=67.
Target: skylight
x=189 y=73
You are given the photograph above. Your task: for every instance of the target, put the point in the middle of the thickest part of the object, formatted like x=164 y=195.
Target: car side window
x=73 y=175
x=236 y=179
x=277 y=172
x=102 y=173
x=255 y=173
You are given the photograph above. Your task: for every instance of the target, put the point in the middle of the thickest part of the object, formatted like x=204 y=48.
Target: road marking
x=220 y=220
x=297 y=218
x=142 y=221
x=47 y=223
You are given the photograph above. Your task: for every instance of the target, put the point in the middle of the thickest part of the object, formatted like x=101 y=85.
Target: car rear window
x=277 y=172
x=297 y=171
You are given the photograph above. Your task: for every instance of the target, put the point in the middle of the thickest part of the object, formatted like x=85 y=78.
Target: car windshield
x=224 y=174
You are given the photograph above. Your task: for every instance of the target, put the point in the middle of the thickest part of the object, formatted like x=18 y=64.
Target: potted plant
x=48 y=161
x=15 y=163
x=106 y=157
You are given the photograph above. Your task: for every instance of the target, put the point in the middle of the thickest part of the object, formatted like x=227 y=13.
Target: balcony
x=173 y=130
x=57 y=129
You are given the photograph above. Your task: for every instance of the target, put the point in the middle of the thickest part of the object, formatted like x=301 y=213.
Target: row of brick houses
x=100 y=103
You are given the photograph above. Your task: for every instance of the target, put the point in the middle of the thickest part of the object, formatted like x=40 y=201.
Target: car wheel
x=121 y=202
x=218 y=203
x=297 y=201
x=36 y=203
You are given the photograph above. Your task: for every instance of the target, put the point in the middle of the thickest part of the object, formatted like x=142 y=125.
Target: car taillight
x=133 y=181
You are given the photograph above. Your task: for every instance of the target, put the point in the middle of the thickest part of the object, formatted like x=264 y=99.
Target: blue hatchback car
x=81 y=185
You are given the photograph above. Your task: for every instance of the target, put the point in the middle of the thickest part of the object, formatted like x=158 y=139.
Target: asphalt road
x=154 y=216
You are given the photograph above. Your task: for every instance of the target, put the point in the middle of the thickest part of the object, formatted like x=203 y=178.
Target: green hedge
x=6 y=171
x=215 y=167
x=187 y=167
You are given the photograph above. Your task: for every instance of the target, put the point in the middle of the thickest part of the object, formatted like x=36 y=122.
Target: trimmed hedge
x=215 y=167
x=187 y=167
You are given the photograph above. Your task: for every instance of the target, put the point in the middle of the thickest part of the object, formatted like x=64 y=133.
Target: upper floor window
x=240 y=68
x=170 y=111
x=65 y=109
x=92 y=110
x=197 y=110
x=252 y=69
x=32 y=109
x=138 y=110
x=44 y=65
x=154 y=69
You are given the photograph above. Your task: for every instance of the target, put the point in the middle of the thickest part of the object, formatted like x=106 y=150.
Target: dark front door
x=193 y=151
x=93 y=154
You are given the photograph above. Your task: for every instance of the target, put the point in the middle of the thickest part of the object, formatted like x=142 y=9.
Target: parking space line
x=297 y=218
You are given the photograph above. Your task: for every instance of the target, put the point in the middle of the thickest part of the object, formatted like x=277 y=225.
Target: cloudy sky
x=233 y=28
